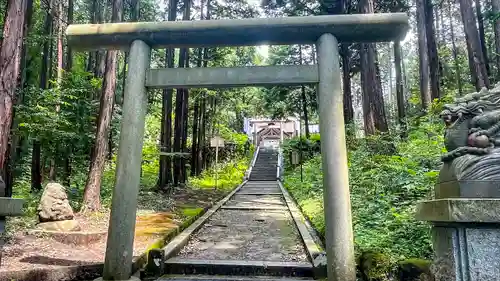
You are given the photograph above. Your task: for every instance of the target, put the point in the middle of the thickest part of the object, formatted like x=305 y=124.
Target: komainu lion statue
x=472 y=138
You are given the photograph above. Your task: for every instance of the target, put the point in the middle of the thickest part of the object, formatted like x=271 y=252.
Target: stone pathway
x=253 y=233
x=258 y=231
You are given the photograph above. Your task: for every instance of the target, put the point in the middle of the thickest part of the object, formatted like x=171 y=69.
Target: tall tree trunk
x=438 y=21
x=432 y=49
x=181 y=111
x=185 y=112
x=69 y=50
x=389 y=94
x=134 y=16
x=59 y=77
x=474 y=44
x=50 y=73
x=197 y=114
x=165 y=171
x=194 y=140
x=455 y=49
x=201 y=135
x=91 y=196
x=166 y=129
x=67 y=167
x=482 y=36
x=373 y=102
x=346 y=83
x=36 y=165
x=14 y=148
x=423 y=59
x=202 y=154
x=399 y=88
x=10 y=58
x=67 y=67
x=196 y=117
x=304 y=99
x=92 y=56
x=345 y=55
x=304 y=110
x=495 y=6
x=178 y=130
x=210 y=124
x=472 y=69
x=60 y=47
x=101 y=56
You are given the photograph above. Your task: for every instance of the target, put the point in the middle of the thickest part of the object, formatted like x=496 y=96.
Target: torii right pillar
x=338 y=221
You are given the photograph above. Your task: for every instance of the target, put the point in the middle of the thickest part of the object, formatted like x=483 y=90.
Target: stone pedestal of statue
x=466 y=237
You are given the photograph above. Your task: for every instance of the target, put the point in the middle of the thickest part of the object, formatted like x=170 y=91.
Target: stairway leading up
x=265 y=165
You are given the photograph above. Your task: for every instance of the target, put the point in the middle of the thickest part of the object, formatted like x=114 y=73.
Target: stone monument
x=54 y=211
x=465 y=214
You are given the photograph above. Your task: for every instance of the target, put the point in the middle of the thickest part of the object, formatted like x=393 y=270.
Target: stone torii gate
x=324 y=31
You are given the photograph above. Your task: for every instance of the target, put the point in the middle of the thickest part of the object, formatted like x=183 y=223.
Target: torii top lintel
x=381 y=27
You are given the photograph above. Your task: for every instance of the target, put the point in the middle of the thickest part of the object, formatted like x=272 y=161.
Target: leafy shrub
x=387 y=177
x=309 y=147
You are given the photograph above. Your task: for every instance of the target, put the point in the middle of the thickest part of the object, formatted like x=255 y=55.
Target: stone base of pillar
x=133 y=278
x=465 y=236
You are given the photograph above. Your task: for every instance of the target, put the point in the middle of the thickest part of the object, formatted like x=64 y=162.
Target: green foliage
x=385 y=185
x=309 y=147
x=229 y=174
x=68 y=110
x=283 y=101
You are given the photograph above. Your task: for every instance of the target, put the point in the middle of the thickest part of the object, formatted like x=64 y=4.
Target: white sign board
x=216 y=142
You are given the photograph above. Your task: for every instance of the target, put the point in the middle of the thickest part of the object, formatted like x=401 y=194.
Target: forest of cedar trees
x=60 y=110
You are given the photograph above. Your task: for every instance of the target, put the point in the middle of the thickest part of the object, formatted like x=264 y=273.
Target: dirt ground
x=157 y=214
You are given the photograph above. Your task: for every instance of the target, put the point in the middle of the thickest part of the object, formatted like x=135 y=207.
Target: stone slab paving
x=260 y=190
x=245 y=200
x=258 y=235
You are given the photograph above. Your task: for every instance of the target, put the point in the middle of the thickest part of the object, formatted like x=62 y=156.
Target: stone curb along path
x=257 y=230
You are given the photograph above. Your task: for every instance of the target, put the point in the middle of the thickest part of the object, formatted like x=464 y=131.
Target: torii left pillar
x=120 y=244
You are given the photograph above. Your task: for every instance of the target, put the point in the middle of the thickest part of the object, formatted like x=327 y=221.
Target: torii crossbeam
x=324 y=31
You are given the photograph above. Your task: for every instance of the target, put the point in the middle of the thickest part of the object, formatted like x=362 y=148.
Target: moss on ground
x=192 y=212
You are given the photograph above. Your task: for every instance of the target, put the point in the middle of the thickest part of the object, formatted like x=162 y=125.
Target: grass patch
x=191 y=212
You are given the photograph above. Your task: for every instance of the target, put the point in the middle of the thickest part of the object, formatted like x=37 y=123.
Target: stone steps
x=174 y=277
x=265 y=166
x=254 y=234
x=238 y=268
